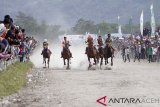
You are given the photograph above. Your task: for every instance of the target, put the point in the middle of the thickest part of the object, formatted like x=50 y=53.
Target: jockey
x=108 y=42
x=45 y=44
x=90 y=43
x=45 y=47
x=66 y=44
x=100 y=41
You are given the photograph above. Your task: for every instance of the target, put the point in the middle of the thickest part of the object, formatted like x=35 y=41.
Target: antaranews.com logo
x=105 y=100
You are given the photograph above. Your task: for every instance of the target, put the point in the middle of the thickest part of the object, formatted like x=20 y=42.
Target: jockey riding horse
x=100 y=49
x=46 y=52
x=66 y=53
x=66 y=45
x=108 y=50
x=91 y=51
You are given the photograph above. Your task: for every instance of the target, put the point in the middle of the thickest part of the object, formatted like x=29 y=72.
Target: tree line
x=42 y=29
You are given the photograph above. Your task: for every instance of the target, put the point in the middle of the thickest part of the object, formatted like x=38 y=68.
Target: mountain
x=67 y=12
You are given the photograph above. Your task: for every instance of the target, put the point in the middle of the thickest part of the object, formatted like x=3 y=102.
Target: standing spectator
x=136 y=53
x=139 y=51
x=127 y=54
x=158 y=54
x=154 y=53
x=123 y=53
x=143 y=51
x=20 y=53
x=23 y=35
x=150 y=53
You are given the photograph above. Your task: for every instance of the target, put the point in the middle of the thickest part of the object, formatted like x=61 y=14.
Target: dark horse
x=108 y=53
x=46 y=55
x=66 y=55
x=92 y=53
x=100 y=55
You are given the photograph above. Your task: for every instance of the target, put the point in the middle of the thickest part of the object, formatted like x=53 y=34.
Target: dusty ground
x=81 y=88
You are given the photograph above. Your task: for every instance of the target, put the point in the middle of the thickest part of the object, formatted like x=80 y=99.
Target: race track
x=57 y=87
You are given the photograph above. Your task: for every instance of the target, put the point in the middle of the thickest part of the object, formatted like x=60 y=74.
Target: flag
x=130 y=24
x=119 y=27
x=141 y=23
x=118 y=18
x=119 y=30
x=153 y=24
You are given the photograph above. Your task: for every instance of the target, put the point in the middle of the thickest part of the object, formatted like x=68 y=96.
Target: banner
x=153 y=24
x=141 y=23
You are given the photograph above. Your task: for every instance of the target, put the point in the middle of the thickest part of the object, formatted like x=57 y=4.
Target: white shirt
x=127 y=51
x=154 y=51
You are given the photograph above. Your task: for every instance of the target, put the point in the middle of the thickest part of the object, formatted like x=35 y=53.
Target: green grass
x=13 y=78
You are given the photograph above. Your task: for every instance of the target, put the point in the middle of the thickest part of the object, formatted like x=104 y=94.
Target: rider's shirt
x=100 y=41
x=66 y=44
x=108 y=41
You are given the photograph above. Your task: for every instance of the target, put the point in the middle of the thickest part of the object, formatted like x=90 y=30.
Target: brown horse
x=91 y=53
x=108 y=53
x=66 y=55
x=46 y=55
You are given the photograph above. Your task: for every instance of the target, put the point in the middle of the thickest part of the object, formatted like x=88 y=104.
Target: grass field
x=13 y=78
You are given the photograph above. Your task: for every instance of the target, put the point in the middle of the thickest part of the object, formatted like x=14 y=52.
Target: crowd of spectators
x=13 y=40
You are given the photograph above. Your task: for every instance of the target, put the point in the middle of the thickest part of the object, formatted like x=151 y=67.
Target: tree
x=82 y=26
x=27 y=22
x=34 y=28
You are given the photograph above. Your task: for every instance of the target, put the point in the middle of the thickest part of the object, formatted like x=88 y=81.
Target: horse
x=66 y=55
x=46 y=55
x=108 y=53
x=92 y=53
x=100 y=55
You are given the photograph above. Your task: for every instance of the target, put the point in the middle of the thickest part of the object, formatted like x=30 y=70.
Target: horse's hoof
x=67 y=68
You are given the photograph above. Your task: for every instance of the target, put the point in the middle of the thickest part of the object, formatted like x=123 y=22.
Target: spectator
x=127 y=54
x=150 y=53
x=137 y=55
x=5 y=42
x=143 y=51
x=154 y=53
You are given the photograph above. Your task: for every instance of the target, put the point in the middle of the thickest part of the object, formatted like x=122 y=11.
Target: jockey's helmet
x=45 y=40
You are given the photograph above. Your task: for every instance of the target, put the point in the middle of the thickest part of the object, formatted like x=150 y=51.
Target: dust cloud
x=79 y=60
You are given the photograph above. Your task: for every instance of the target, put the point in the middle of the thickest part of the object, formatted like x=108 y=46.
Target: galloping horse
x=46 y=55
x=100 y=55
x=108 y=53
x=66 y=55
x=92 y=53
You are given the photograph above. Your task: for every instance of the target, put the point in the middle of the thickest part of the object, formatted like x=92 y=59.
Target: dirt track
x=81 y=88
